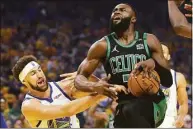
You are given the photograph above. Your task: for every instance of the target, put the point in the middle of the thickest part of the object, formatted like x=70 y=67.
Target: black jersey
x=121 y=59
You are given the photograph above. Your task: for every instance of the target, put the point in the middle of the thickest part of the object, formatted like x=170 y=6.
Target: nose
x=117 y=12
x=38 y=74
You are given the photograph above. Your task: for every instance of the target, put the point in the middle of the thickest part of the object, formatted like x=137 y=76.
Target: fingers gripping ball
x=141 y=86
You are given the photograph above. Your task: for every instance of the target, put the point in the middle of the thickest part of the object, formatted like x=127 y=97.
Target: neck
x=128 y=35
x=45 y=94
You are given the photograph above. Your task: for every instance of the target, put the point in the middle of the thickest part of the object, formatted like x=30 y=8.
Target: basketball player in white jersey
x=50 y=104
x=176 y=94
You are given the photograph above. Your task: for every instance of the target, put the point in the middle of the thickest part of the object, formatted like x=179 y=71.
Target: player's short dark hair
x=21 y=63
x=134 y=10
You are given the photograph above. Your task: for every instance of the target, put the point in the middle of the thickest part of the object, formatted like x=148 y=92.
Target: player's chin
x=43 y=88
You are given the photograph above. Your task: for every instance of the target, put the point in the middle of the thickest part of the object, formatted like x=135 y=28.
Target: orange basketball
x=140 y=86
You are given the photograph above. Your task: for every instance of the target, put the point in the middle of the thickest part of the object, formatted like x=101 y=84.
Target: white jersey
x=171 y=97
x=57 y=97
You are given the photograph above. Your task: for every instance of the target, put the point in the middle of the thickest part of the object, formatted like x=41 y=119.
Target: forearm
x=79 y=94
x=183 y=110
x=178 y=20
x=165 y=75
x=83 y=84
x=84 y=103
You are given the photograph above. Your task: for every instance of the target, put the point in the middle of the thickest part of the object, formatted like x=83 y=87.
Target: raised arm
x=178 y=20
x=161 y=64
x=182 y=99
x=34 y=110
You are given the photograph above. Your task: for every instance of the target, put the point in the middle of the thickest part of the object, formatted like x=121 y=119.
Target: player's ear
x=169 y=57
x=133 y=19
x=24 y=82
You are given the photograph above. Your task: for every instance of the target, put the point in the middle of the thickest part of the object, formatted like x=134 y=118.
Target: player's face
x=36 y=80
x=121 y=17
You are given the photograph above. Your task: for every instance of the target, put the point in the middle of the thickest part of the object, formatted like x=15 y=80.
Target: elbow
x=178 y=29
x=183 y=30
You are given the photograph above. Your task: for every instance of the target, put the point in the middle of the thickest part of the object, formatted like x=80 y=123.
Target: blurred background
x=59 y=34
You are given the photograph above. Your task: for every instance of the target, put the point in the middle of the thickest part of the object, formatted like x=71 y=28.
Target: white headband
x=30 y=66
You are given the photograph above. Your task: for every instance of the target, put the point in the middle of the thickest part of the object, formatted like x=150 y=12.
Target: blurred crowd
x=59 y=34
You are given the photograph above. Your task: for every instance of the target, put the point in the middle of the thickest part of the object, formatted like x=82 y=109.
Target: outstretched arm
x=178 y=20
x=182 y=99
x=67 y=85
x=34 y=110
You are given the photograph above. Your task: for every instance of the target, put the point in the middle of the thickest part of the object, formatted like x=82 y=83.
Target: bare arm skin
x=178 y=20
x=71 y=91
x=182 y=99
x=68 y=86
x=95 y=56
x=157 y=62
x=34 y=110
x=161 y=64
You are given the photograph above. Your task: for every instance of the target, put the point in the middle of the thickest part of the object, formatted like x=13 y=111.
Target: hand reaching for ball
x=146 y=66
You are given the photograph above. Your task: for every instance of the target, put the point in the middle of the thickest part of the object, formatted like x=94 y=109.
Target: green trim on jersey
x=159 y=111
x=130 y=44
x=145 y=44
x=108 y=48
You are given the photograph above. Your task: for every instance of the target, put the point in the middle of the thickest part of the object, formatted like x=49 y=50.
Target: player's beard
x=37 y=88
x=122 y=26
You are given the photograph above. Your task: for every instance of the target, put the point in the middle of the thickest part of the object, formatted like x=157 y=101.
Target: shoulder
x=102 y=43
x=29 y=105
x=98 y=49
x=181 y=81
x=151 y=38
x=153 y=42
x=180 y=75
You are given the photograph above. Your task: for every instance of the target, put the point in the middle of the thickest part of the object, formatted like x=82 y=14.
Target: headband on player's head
x=29 y=67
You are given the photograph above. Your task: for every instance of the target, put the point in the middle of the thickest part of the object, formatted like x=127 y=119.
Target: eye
x=123 y=9
x=32 y=73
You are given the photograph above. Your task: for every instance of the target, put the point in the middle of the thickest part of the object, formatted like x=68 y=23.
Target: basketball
x=142 y=86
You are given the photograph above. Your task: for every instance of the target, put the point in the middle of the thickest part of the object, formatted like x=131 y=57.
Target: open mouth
x=41 y=81
x=116 y=18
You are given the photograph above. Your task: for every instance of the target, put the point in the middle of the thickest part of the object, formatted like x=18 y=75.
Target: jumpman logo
x=115 y=49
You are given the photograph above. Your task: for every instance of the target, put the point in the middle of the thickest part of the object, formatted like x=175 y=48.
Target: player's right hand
x=102 y=87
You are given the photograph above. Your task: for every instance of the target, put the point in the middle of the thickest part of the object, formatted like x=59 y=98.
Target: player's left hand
x=179 y=122
x=147 y=66
x=68 y=76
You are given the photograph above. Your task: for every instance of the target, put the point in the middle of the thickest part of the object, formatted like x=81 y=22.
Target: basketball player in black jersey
x=154 y=14
x=124 y=53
